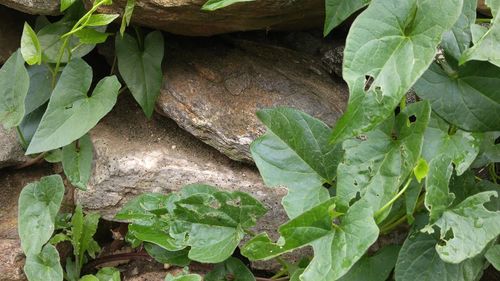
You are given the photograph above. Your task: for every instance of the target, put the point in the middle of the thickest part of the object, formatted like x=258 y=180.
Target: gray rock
x=214 y=87
x=11 y=152
x=11 y=28
x=34 y=7
x=11 y=260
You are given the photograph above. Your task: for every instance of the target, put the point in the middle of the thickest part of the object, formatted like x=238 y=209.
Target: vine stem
x=388 y=204
x=21 y=136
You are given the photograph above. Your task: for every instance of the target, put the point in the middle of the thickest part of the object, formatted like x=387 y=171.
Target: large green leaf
x=30 y=46
x=466 y=96
x=44 y=265
x=71 y=113
x=375 y=268
x=178 y=258
x=77 y=161
x=388 y=48
x=14 y=85
x=472 y=227
x=377 y=165
x=140 y=67
x=231 y=269
x=339 y=10
x=212 y=5
x=39 y=203
x=40 y=79
x=487 y=48
x=458 y=38
x=337 y=247
x=418 y=260
x=295 y=153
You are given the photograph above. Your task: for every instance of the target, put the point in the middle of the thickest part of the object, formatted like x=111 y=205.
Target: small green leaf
x=89 y=278
x=71 y=113
x=458 y=38
x=101 y=19
x=232 y=267
x=140 y=67
x=39 y=203
x=77 y=161
x=178 y=258
x=77 y=230
x=91 y=36
x=127 y=15
x=183 y=277
x=44 y=265
x=58 y=238
x=375 y=268
x=421 y=169
x=389 y=46
x=339 y=10
x=212 y=5
x=108 y=274
x=437 y=195
x=83 y=229
x=30 y=46
x=493 y=256
x=65 y=4
x=14 y=85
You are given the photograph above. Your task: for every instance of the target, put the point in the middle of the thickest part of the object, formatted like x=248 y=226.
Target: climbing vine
x=426 y=167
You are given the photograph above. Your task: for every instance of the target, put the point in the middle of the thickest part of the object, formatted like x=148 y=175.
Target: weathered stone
x=11 y=260
x=11 y=152
x=214 y=87
x=185 y=17
x=11 y=28
x=34 y=7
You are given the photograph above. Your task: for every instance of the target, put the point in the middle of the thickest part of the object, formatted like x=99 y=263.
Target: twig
x=30 y=162
x=117 y=257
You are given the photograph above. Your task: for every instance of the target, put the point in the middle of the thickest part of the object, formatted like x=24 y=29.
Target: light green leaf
x=437 y=195
x=127 y=15
x=178 y=258
x=378 y=164
x=71 y=113
x=465 y=96
x=375 y=268
x=108 y=274
x=487 y=48
x=101 y=19
x=77 y=229
x=421 y=169
x=140 y=67
x=89 y=278
x=231 y=267
x=388 y=48
x=53 y=156
x=44 y=265
x=77 y=161
x=339 y=10
x=212 y=5
x=65 y=4
x=83 y=229
x=336 y=247
x=58 y=238
x=418 y=260
x=183 y=277
x=14 y=85
x=144 y=207
x=295 y=153
x=39 y=203
x=477 y=31
x=213 y=244
x=472 y=225
x=156 y=232
x=30 y=46
x=493 y=256
x=40 y=79
x=91 y=36
x=458 y=38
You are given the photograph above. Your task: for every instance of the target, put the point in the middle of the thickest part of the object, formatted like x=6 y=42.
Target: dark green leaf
x=108 y=274
x=140 y=67
x=40 y=87
x=39 y=203
x=44 y=265
x=493 y=256
x=388 y=48
x=127 y=15
x=374 y=268
x=212 y=5
x=411 y=199
x=14 y=84
x=101 y=19
x=71 y=113
x=231 y=269
x=339 y=10
x=30 y=46
x=77 y=161
x=458 y=38
x=156 y=232
x=178 y=258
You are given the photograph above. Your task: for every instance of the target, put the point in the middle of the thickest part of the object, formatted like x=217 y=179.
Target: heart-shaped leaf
x=14 y=85
x=44 y=265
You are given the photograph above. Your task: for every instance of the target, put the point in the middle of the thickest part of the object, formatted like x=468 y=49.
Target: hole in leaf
x=368 y=82
x=327 y=185
x=397 y=110
x=412 y=119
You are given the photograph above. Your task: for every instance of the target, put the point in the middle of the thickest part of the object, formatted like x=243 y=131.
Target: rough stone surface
x=213 y=88
x=11 y=260
x=34 y=7
x=185 y=17
x=11 y=28
x=11 y=152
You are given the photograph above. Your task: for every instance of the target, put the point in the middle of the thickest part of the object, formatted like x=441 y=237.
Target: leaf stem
x=483 y=20
x=388 y=204
x=80 y=24
x=24 y=143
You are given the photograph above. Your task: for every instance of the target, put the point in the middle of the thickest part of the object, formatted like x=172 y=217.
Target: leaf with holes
x=437 y=195
x=77 y=161
x=14 y=85
x=388 y=48
x=212 y=5
x=339 y=10
x=295 y=153
x=140 y=67
x=71 y=113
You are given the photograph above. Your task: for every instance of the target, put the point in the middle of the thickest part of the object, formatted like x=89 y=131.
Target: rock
x=34 y=7
x=11 y=260
x=214 y=87
x=185 y=17
x=11 y=28
x=11 y=152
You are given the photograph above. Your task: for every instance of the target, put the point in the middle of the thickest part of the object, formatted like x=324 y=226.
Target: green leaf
x=472 y=227
x=91 y=36
x=83 y=229
x=411 y=199
x=339 y=10
x=77 y=161
x=44 y=265
x=489 y=151
x=337 y=247
x=156 y=232
x=212 y=5
x=143 y=207
x=30 y=46
x=39 y=203
x=418 y=260
x=108 y=274
x=65 y=4
x=437 y=196
x=77 y=230
x=101 y=19
x=178 y=258
x=127 y=15
x=388 y=48
x=231 y=269
x=374 y=268
x=493 y=256
x=71 y=113
x=465 y=96
x=421 y=170
x=58 y=238
x=378 y=164
x=88 y=278
x=183 y=277
x=53 y=156
x=487 y=48
x=14 y=84
x=295 y=153
x=40 y=79
x=140 y=67
x=458 y=38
